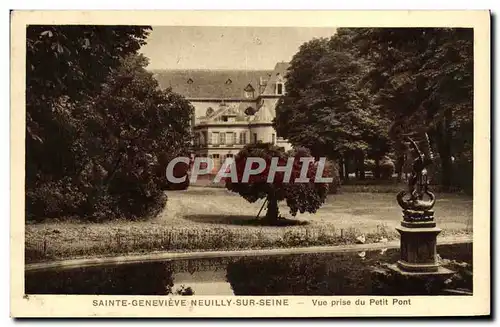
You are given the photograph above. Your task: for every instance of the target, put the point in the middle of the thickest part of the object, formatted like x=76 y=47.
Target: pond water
x=346 y=273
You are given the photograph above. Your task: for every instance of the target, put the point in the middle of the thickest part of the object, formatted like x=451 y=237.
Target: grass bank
x=147 y=238
x=208 y=219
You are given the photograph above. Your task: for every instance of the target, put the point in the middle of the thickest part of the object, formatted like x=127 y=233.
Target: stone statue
x=418 y=182
x=418 y=230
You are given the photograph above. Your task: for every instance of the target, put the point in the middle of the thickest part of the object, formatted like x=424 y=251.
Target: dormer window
x=280 y=85
x=210 y=112
x=280 y=88
x=190 y=81
x=229 y=81
x=249 y=91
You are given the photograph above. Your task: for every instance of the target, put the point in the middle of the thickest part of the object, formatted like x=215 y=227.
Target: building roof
x=212 y=84
x=221 y=84
x=265 y=114
x=278 y=73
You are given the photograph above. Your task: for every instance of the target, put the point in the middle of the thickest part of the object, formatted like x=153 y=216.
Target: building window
x=280 y=89
x=229 y=119
x=229 y=155
x=222 y=138
x=202 y=139
x=230 y=138
x=215 y=138
x=243 y=138
x=273 y=136
x=254 y=137
x=210 y=112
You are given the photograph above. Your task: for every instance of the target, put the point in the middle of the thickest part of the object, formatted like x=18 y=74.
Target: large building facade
x=232 y=108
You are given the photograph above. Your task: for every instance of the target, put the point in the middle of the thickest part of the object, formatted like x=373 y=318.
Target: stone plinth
x=418 y=233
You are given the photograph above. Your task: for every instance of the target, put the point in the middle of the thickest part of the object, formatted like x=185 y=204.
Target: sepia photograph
x=219 y=166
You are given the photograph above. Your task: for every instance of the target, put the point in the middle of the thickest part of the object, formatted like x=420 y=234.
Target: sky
x=186 y=47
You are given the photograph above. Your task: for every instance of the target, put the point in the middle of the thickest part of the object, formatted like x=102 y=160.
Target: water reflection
x=305 y=274
x=208 y=282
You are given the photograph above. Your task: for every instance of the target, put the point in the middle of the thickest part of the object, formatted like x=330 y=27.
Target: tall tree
x=99 y=129
x=132 y=129
x=423 y=78
x=66 y=64
x=343 y=93
x=325 y=108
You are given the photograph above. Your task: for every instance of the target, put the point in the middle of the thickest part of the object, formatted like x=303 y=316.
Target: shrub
x=50 y=199
x=387 y=168
x=333 y=168
x=370 y=165
x=181 y=169
x=114 y=166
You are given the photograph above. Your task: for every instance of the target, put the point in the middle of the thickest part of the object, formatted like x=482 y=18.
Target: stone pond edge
x=158 y=256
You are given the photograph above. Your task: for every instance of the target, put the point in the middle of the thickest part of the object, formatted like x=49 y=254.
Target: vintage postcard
x=250 y=163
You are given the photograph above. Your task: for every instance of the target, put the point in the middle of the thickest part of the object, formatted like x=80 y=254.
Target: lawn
x=203 y=218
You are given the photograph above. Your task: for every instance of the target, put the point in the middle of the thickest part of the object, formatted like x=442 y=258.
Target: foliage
x=386 y=168
x=422 y=79
x=357 y=93
x=300 y=197
x=419 y=72
x=325 y=108
x=142 y=127
x=69 y=63
x=98 y=141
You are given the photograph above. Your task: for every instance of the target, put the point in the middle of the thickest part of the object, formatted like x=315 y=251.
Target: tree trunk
x=443 y=138
x=346 y=169
x=341 y=167
x=361 y=165
x=376 y=171
x=400 y=162
x=272 y=210
x=357 y=165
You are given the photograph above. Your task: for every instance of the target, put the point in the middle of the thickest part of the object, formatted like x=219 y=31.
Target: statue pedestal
x=418 y=246
x=418 y=271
